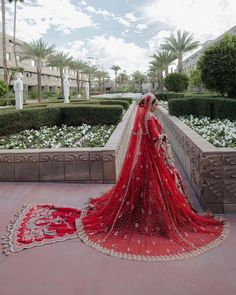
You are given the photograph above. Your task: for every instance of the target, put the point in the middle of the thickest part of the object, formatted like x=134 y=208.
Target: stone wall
x=93 y=165
x=210 y=170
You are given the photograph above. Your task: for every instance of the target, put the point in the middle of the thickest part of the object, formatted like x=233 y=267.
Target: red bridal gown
x=146 y=216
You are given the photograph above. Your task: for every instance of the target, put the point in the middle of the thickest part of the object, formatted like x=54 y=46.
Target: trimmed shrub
x=176 y=82
x=3 y=88
x=123 y=103
x=32 y=94
x=130 y=100
x=203 y=106
x=6 y=102
x=167 y=96
x=93 y=115
x=12 y=121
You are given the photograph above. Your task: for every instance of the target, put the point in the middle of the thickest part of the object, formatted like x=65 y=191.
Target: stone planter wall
x=211 y=170
x=93 y=165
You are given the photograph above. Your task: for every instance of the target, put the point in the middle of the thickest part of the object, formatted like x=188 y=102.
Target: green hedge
x=130 y=100
x=13 y=121
x=167 y=96
x=93 y=115
x=123 y=103
x=6 y=102
x=203 y=106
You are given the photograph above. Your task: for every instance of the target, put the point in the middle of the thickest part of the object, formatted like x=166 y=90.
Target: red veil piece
x=146 y=216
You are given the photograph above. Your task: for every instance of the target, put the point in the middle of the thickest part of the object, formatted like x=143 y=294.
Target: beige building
x=50 y=75
x=190 y=62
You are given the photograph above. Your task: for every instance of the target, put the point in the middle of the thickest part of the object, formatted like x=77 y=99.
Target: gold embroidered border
x=145 y=258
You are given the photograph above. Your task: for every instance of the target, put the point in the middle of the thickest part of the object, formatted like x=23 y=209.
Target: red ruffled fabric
x=147 y=215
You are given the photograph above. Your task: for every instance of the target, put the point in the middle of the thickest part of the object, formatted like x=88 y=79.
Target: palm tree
x=91 y=71
x=14 y=34
x=115 y=68
x=104 y=76
x=37 y=50
x=4 y=50
x=165 y=58
x=101 y=75
x=138 y=78
x=157 y=67
x=61 y=60
x=151 y=73
x=78 y=66
x=122 y=81
x=179 y=45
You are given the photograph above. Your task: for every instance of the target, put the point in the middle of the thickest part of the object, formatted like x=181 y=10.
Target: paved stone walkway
x=72 y=268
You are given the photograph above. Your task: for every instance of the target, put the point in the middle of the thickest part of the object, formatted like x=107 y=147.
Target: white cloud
x=123 y=21
x=83 y=3
x=205 y=19
x=61 y=15
x=108 y=50
x=131 y=17
x=99 y=11
x=141 y=27
x=125 y=33
x=155 y=42
x=126 y=20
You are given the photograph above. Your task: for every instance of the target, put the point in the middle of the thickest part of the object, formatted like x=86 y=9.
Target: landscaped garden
x=56 y=125
x=220 y=133
x=59 y=137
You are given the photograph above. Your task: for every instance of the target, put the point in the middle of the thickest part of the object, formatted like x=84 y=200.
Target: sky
x=122 y=32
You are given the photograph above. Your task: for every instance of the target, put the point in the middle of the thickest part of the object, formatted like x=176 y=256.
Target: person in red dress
x=146 y=216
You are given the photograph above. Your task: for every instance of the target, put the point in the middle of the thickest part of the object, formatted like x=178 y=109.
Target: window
x=28 y=74
x=8 y=56
x=18 y=58
x=33 y=63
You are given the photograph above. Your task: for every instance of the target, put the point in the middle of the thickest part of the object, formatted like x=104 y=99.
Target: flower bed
x=220 y=133
x=59 y=137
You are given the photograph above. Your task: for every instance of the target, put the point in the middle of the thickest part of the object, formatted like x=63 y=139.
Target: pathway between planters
x=72 y=268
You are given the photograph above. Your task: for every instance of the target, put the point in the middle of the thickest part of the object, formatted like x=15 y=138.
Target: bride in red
x=146 y=216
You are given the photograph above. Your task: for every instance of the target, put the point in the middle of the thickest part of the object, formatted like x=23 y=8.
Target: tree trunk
x=103 y=85
x=115 y=80
x=180 y=64
x=89 y=84
x=160 y=80
x=153 y=86
x=166 y=71
x=77 y=78
x=14 y=35
x=62 y=86
x=99 y=85
x=4 y=50
x=39 y=84
x=82 y=87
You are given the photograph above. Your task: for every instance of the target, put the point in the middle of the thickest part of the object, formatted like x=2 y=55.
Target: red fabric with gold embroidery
x=147 y=216
x=36 y=225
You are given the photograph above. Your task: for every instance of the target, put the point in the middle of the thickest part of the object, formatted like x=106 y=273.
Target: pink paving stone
x=70 y=267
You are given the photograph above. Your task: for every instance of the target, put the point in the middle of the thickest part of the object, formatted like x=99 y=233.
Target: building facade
x=191 y=62
x=50 y=75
